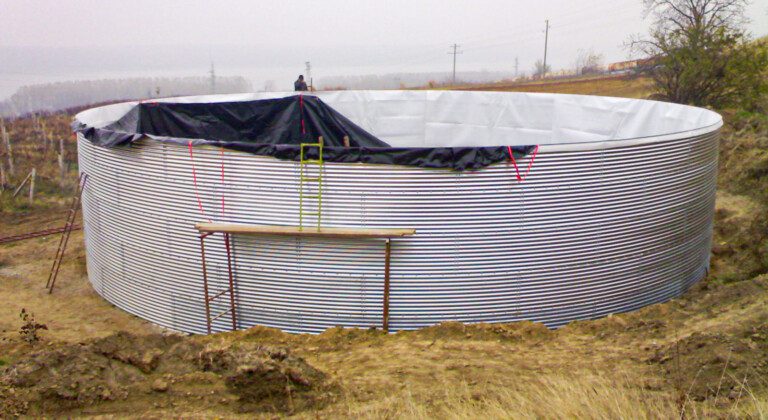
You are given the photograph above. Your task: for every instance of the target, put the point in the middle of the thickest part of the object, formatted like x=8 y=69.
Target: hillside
x=703 y=355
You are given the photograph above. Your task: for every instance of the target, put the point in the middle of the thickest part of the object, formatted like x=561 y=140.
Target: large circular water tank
x=615 y=213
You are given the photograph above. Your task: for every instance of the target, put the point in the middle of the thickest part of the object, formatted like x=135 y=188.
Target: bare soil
x=158 y=371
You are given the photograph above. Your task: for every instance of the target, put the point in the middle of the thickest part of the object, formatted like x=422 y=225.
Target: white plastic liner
x=484 y=119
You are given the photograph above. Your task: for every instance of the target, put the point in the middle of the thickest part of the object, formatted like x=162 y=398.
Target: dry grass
x=588 y=395
x=620 y=86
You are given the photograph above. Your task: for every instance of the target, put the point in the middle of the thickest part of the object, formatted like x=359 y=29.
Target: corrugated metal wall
x=590 y=232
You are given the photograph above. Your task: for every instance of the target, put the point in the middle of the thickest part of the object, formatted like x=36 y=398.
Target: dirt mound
x=511 y=331
x=716 y=365
x=259 y=374
x=69 y=376
x=650 y=320
x=142 y=352
x=123 y=367
x=11 y=404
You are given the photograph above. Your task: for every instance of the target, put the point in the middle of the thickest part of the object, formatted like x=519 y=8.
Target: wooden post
x=40 y=127
x=2 y=177
x=62 y=167
x=32 y=186
x=387 y=255
x=36 y=131
x=7 y=140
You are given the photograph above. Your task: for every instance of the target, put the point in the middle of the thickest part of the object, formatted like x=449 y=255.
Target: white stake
x=7 y=140
x=32 y=186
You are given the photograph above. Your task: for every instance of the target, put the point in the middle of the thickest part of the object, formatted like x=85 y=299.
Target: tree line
x=57 y=96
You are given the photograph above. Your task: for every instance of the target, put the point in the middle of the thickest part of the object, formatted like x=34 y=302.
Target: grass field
x=703 y=355
x=622 y=86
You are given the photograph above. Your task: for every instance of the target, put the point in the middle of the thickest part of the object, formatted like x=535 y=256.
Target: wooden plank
x=307 y=231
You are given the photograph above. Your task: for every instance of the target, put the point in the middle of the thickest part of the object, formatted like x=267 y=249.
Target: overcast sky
x=272 y=39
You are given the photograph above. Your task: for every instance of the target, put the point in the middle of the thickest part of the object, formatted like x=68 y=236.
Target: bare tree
x=698 y=51
x=539 y=70
x=588 y=62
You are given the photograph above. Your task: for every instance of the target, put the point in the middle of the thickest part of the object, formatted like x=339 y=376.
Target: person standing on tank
x=300 y=85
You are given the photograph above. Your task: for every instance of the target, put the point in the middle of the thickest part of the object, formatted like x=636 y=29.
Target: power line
x=605 y=19
x=584 y=15
x=454 y=52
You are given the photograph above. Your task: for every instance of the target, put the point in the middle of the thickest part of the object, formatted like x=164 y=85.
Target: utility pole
x=454 y=52
x=516 y=64
x=546 y=39
x=308 y=71
x=62 y=166
x=212 y=72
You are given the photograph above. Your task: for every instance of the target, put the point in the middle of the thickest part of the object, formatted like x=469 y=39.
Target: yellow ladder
x=305 y=177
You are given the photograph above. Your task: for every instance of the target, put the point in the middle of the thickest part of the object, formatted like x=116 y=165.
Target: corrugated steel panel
x=590 y=232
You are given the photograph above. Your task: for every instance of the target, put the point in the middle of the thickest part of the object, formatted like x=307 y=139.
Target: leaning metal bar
x=205 y=283
x=231 y=282
x=211 y=299
x=387 y=255
x=67 y=230
x=60 y=250
x=64 y=234
x=9 y=239
x=221 y=314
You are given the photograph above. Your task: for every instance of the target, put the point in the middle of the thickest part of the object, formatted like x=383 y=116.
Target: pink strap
x=530 y=163
x=221 y=153
x=194 y=181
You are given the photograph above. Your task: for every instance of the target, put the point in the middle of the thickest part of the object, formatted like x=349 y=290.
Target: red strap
x=530 y=163
x=194 y=181
x=512 y=157
x=222 y=181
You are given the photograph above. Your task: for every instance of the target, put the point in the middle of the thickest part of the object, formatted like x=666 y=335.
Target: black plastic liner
x=277 y=127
